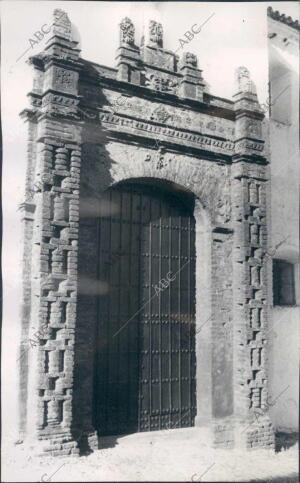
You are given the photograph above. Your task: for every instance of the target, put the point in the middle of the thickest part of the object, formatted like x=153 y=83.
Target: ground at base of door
x=174 y=455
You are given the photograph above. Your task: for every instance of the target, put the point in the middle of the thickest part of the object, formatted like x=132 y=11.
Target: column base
x=87 y=441
x=230 y=433
x=256 y=434
x=223 y=433
x=54 y=445
x=71 y=443
x=59 y=445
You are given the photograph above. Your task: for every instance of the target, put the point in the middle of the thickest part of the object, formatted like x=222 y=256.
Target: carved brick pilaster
x=250 y=309
x=57 y=237
x=56 y=178
x=249 y=182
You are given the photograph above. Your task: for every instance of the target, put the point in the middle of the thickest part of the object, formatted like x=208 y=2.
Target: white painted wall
x=285 y=175
x=284 y=358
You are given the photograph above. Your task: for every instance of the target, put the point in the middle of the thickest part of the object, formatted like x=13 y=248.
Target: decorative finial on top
x=127 y=31
x=155 y=33
x=62 y=25
x=190 y=59
x=243 y=81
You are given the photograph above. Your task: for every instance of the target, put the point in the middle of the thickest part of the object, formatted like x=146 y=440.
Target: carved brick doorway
x=145 y=349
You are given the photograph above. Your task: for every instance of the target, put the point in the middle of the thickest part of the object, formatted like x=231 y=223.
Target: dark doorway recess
x=145 y=347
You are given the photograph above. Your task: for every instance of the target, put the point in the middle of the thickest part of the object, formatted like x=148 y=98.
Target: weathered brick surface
x=93 y=127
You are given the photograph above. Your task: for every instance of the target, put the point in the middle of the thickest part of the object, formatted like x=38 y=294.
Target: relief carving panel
x=62 y=79
x=161 y=82
x=169 y=115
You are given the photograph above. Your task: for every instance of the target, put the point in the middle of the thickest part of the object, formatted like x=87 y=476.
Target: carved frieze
x=55 y=111
x=202 y=142
x=170 y=115
x=59 y=99
x=35 y=101
x=60 y=106
x=160 y=114
x=87 y=114
x=64 y=55
x=248 y=147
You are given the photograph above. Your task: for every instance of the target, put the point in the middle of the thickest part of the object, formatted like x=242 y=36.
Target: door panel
x=145 y=360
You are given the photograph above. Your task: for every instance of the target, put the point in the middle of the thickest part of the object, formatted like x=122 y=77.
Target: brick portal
x=150 y=119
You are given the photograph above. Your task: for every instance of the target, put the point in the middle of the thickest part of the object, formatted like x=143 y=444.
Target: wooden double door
x=145 y=347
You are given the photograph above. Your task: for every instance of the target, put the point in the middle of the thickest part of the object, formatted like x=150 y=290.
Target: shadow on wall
x=96 y=172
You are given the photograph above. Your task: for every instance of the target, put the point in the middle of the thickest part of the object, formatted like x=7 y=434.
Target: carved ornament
x=156 y=33
x=161 y=83
x=127 y=31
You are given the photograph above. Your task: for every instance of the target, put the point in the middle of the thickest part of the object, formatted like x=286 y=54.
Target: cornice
x=276 y=15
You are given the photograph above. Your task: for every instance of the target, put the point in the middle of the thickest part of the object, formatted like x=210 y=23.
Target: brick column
x=58 y=203
x=55 y=238
x=250 y=292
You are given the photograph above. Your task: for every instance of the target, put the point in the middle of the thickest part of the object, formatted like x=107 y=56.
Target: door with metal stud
x=145 y=346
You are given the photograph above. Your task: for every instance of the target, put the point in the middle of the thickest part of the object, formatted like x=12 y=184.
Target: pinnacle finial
x=62 y=25
x=127 y=31
x=155 y=33
x=243 y=81
x=190 y=59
